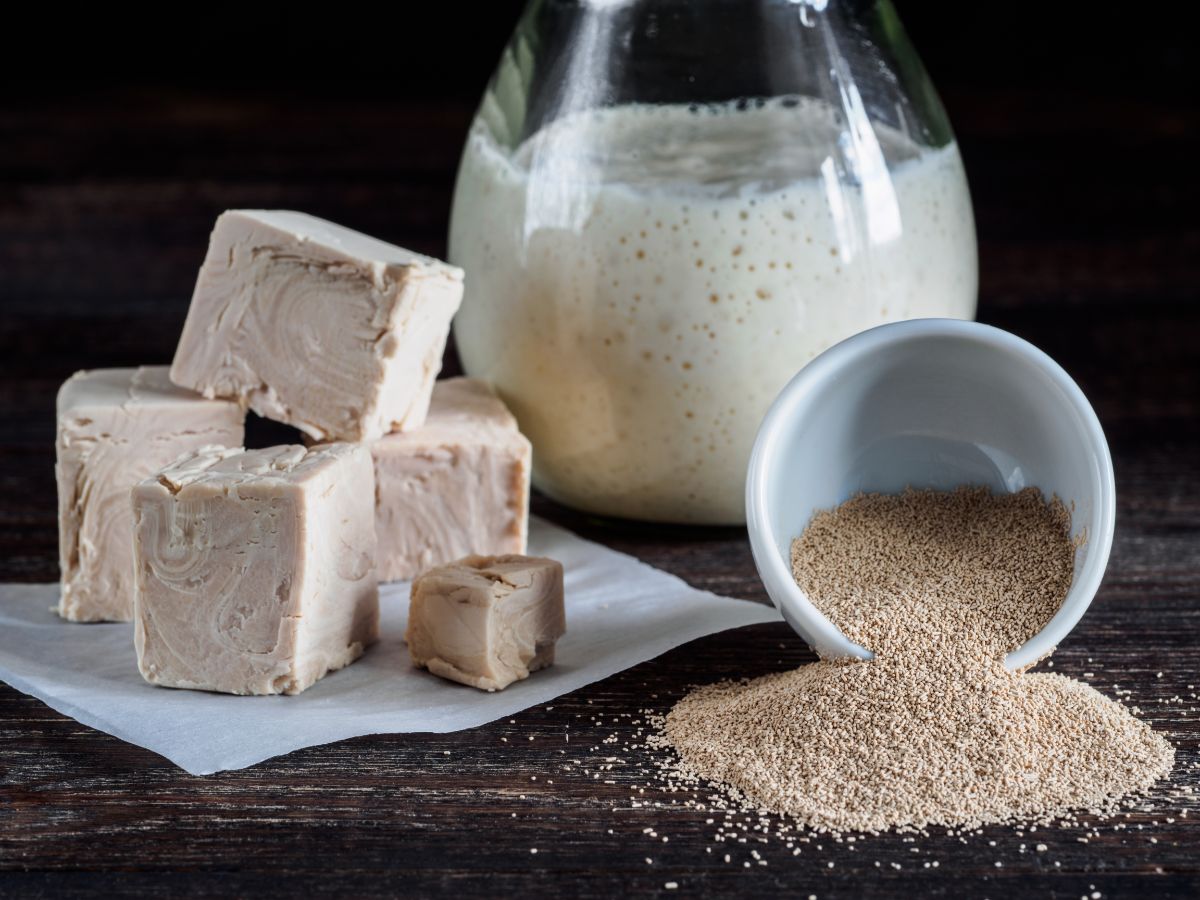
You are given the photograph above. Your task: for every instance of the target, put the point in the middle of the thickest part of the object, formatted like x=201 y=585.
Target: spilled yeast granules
x=934 y=730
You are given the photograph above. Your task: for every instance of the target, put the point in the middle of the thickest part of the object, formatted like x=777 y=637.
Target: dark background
x=1077 y=121
x=122 y=137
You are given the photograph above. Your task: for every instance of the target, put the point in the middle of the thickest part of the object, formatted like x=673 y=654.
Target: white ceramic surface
x=927 y=403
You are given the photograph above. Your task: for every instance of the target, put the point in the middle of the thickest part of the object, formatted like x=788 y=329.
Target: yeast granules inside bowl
x=934 y=730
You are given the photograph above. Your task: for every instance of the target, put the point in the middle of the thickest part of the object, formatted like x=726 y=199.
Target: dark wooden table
x=1090 y=249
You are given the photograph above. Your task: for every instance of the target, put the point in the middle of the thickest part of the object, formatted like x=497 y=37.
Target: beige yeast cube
x=317 y=326
x=487 y=621
x=457 y=486
x=115 y=427
x=255 y=568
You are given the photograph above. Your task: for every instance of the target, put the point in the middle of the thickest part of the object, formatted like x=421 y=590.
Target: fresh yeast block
x=487 y=621
x=115 y=427
x=255 y=568
x=457 y=486
x=317 y=326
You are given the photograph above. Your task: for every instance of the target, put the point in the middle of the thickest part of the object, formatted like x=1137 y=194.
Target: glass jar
x=666 y=208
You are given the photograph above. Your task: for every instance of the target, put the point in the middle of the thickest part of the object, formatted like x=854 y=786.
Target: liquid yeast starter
x=643 y=280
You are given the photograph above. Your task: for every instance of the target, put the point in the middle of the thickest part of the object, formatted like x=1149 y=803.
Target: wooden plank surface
x=105 y=206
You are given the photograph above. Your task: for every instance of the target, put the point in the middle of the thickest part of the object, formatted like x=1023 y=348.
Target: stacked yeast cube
x=255 y=571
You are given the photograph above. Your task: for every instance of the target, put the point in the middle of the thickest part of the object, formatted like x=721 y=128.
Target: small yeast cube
x=487 y=621
x=255 y=568
x=317 y=326
x=115 y=427
x=459 y=485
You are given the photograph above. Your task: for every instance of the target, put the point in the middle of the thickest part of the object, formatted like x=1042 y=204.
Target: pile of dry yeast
x=934 y=729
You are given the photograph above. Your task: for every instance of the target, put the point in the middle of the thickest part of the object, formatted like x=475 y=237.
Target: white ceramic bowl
x=927 y=403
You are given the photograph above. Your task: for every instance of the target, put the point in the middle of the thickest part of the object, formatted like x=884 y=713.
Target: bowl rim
x=776 y=574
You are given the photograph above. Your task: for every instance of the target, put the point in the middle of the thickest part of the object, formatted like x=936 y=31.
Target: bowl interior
x=928 y=404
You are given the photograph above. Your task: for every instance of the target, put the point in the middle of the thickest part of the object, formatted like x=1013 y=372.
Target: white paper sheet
x=620 y=612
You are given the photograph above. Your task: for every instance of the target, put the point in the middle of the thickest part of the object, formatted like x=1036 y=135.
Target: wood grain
x=105 y=205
